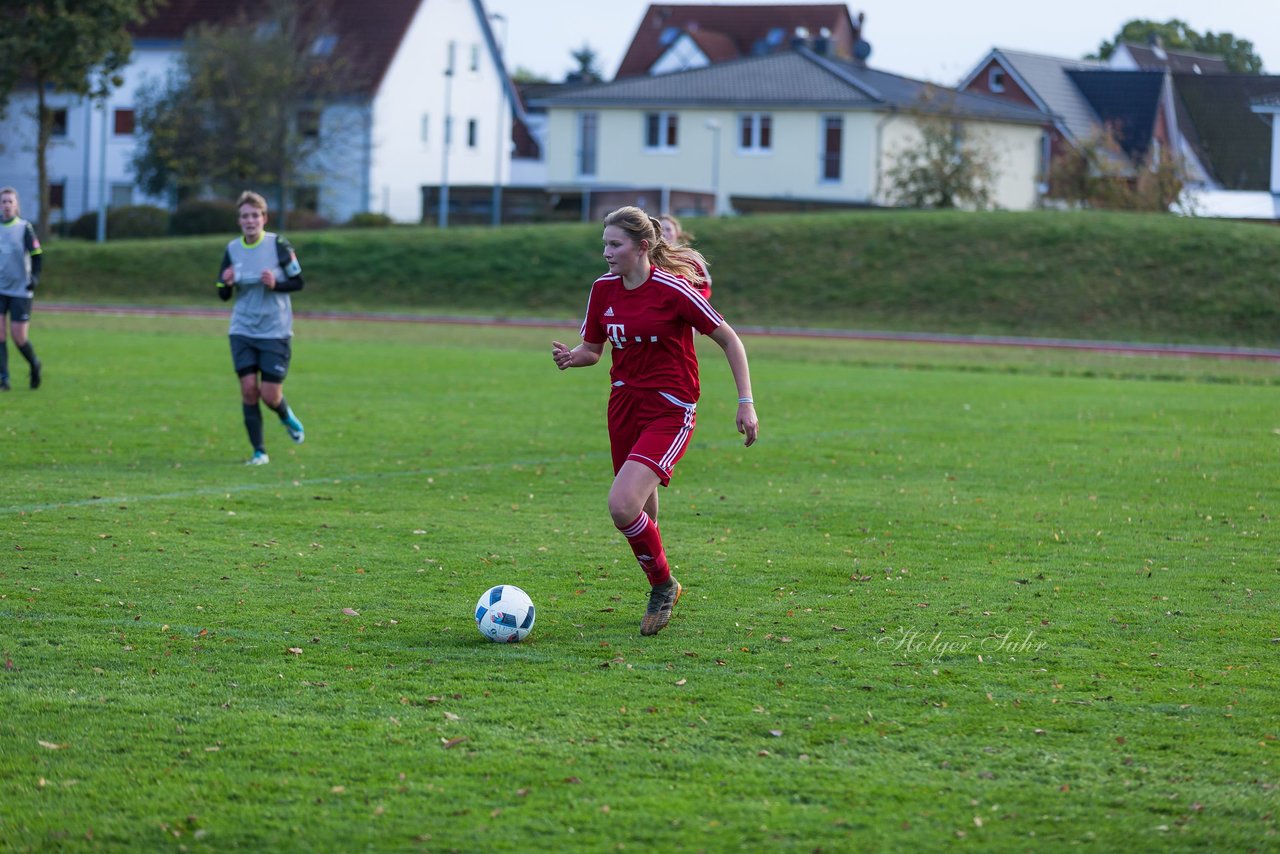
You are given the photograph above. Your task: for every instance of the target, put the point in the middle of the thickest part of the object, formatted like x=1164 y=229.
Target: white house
x=785 y=128
x=389 y=146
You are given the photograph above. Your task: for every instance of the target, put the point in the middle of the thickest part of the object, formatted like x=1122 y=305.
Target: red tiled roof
x=369 y=31
x=717 y=46
x=746 y=28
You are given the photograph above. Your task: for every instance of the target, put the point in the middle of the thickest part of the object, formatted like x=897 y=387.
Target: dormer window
x=995 y=79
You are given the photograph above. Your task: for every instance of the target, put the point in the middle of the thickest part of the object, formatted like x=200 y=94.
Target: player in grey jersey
x=261 y=269
x=20 y=263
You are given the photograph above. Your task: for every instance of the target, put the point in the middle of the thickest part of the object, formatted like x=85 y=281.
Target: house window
x=309 y=123
x=661 y=131
x=832 y=143
x=58 y=123
x=124 y=122
x=426 y=126
x=471 y=133
x=680 y=56
x=475 y=57
x=755 y=132
x=995 y=79
x=121 y=195
x=57 y=195
x=588 y=133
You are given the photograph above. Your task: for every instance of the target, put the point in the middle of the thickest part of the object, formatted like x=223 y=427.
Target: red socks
x=646 y=542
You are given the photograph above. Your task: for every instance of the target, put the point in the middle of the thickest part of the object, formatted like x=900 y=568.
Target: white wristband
x=746 y=400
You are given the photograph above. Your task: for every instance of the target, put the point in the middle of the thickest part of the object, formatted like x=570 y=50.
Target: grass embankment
x=1077 y=275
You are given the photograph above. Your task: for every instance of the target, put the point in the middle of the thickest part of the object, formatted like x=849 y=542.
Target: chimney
x=800 y=38
x=822 y=44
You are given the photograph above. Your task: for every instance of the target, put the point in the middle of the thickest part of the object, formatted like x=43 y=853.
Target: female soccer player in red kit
x=647 y=307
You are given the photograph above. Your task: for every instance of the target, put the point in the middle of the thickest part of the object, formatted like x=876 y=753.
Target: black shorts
x=18 y=308
x=268 y=356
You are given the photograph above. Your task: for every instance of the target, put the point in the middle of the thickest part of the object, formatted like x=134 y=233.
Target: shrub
x=205 y=216
x=369 y=219
x=123 y=222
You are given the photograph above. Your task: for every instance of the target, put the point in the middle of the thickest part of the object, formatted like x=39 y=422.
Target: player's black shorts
x=268 y=356
x=18 y=308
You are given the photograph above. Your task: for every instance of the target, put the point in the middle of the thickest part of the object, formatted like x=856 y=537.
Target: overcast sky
x=925 y=39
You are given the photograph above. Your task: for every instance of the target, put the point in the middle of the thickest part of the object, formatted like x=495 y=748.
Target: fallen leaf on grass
x=681 y=681
x=450 y=716
x=351 y=612
x=451 y=743
x=295 y=650
x=49 y=745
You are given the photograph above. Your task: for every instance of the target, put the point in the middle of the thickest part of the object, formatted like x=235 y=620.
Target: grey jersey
x=17 y=245
x=260 y=312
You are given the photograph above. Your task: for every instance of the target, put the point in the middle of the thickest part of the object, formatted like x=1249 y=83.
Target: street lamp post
x=443 y=215
x=502 y=108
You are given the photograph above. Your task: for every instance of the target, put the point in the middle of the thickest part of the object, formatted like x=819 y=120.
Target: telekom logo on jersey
x=617 y=333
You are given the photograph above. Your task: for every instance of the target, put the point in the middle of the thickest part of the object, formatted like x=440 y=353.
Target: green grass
x=1018 y=601
x=1077 y=275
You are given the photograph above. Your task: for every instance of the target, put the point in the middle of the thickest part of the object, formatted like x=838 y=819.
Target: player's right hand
x=562 y=355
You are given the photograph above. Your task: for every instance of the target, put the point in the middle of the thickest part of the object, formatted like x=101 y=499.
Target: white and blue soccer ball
x=505 y=614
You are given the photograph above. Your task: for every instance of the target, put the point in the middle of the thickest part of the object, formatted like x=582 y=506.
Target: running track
x=1119 y=347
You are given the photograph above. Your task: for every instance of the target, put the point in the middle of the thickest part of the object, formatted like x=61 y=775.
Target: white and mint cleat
x=259 y=458
x=294 y=428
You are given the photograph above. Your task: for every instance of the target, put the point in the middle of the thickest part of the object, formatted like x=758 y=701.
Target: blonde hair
x=681 y=235
x=248 y=197
x=638 y=225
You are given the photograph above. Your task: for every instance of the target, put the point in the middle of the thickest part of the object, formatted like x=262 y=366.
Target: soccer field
x=955 y=595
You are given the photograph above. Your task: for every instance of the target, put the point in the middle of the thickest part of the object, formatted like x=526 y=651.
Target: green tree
x=1178 y=35
x=948 y=167
x=588 y=70
x=73 y=46
x=243 y=108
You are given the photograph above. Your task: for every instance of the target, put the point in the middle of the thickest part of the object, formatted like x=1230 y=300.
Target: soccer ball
x=504 y=614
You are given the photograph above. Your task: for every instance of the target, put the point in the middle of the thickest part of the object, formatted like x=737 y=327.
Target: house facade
x=680 y=37
x=1155 y=104
x=790 y=128
x=406 y=130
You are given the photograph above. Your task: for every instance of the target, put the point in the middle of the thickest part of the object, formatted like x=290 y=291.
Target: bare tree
x=949 y=167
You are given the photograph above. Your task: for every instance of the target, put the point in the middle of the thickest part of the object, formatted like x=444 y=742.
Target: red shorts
x=650 y=427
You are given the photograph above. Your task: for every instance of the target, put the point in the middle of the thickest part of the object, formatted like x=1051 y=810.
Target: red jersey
x=705 y=287
x=651 y=329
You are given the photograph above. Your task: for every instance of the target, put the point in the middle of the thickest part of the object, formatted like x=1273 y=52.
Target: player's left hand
x=748 y=423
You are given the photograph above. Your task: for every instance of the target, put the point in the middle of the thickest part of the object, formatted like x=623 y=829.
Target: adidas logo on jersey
x=608 y=312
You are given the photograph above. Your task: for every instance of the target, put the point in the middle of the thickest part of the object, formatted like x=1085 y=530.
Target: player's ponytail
x=684 y=261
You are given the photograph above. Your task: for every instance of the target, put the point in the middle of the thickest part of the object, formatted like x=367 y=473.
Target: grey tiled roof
x=797 y=79
x=1046 y=78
